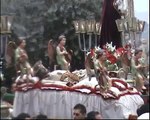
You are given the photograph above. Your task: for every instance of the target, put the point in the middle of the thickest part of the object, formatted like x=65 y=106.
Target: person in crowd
x=21 y=58
x=94 y=115
x=132 y=117
x=62 y=55
x=79 y=112
x=137 y=69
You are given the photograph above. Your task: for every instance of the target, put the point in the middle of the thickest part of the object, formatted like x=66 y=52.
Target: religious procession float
x=106 y=84
x=57 y=92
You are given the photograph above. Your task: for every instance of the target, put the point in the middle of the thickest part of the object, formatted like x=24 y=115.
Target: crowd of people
x=80 y=113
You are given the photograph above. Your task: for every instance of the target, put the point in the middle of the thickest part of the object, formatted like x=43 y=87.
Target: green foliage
x=46 y=19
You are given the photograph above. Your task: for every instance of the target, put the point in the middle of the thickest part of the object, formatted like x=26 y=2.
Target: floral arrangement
x=113 y=55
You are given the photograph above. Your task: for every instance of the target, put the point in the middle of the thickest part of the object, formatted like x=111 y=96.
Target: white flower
x=88 y=53
x=110 y=47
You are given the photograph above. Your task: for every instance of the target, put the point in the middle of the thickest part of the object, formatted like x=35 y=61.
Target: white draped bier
x=58 y=103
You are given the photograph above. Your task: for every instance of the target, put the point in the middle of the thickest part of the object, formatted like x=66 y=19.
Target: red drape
x=109 y=31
